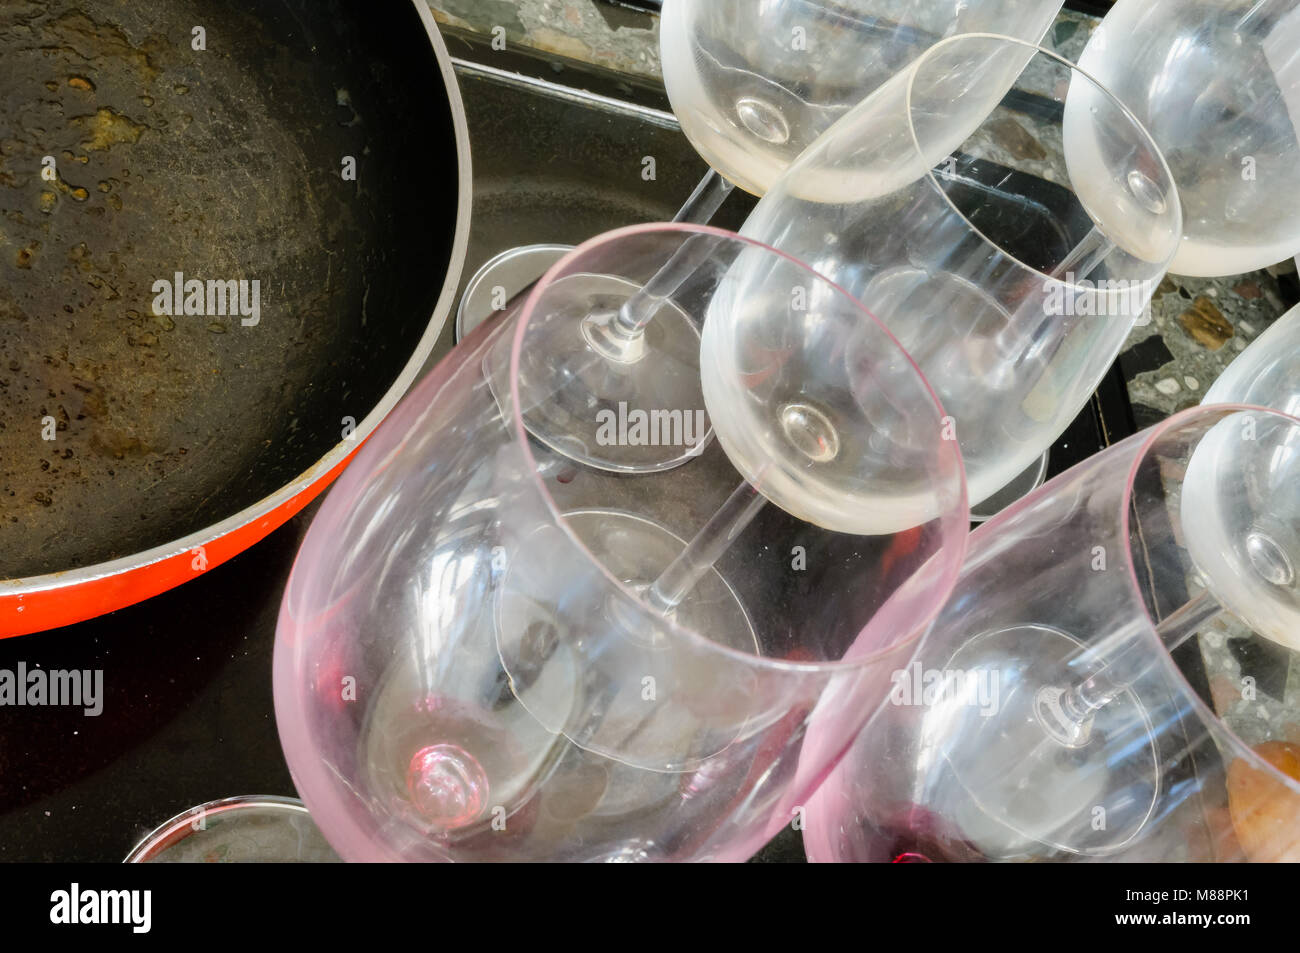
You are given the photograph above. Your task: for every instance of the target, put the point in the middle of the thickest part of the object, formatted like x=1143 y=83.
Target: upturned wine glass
x=1110 y=677
x=1217 y=83
x=1005 y=217
x=487 y=652
x=752 y=84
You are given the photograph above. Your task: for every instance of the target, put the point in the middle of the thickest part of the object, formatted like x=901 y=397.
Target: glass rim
x=959 y=516
x=1207 y=714
x=913 y=70
x=176 y=829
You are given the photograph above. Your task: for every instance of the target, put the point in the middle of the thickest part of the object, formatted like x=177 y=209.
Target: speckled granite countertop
x=1198 y=326
x=624 y=39
x=599 y=34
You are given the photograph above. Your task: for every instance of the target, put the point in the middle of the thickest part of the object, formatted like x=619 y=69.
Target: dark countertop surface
x=187 y=714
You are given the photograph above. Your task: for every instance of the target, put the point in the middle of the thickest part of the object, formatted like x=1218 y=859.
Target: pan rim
x=341 y=452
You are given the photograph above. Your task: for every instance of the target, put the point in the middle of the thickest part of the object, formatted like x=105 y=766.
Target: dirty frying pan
x=203 y=311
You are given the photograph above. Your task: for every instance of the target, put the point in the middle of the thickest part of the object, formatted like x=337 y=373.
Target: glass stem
x=1081 y=700
x=705 y=200
x=1084 y=258
x=1261 y=8
x=698 y=210
x=641 y=307
x=704 y=550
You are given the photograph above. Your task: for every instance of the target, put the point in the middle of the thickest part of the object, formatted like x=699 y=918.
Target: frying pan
x=145 y=146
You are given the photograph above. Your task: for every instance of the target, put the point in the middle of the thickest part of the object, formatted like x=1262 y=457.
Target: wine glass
x=487 y=652
x=1008 y=239
x=236 y=830
x=754 y=84
x=1217 y=83
x=1096 y=687
x=1267 y=373
x=751 y=84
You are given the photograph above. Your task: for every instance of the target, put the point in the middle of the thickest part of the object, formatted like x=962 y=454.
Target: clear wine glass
x=1109 y=679
x=752 y=84
x=1008 y=239
x=1217 y=83
x=1267 y=373
x=237 y=830
x=487 y=652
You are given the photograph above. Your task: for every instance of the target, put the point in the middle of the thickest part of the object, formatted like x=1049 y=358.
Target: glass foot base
x=271 y=830
x=606 y=672
x=640 y=414
x=1013 y=787
x=500 y=280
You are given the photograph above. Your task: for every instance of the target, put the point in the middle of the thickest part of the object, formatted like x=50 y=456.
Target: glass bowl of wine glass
x=1006 y=217
x=1110 y=679
x=753 y=84
x=1217 y=83
x=488 y=651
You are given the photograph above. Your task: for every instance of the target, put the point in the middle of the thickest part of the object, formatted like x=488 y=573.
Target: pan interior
x=228 y=165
